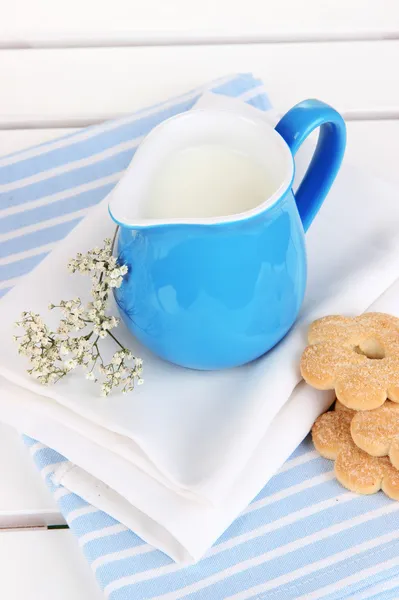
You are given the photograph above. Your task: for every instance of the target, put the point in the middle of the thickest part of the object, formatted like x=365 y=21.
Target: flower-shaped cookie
x=354 y=469
x=377 y=431
x=358 y=357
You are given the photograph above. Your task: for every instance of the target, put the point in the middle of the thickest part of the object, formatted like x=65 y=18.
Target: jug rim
x=139 y=223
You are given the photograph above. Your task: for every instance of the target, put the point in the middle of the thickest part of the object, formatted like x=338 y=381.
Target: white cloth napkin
x=183 y=455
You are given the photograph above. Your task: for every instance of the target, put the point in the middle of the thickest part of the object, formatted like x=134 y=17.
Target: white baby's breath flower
x=117 y=358
x=63 y=328
x=70 y=364
x=45 y=348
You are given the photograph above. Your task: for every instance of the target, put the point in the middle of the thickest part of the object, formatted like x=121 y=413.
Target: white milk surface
x=207 y=180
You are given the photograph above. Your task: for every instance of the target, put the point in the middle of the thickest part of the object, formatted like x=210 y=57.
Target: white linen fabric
x=182 y=456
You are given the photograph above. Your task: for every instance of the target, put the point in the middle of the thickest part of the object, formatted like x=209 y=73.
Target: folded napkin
x=185 y=505
x=303 y=537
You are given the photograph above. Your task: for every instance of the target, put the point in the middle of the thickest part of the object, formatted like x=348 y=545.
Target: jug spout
x=203 y=167
x=217 y=274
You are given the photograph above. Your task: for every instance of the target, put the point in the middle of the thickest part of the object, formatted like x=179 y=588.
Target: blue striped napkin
x=304 y=536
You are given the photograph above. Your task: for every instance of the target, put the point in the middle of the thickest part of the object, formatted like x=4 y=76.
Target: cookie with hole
x=358 y=357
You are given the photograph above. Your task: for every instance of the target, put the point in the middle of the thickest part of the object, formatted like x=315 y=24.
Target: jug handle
x=294 y=127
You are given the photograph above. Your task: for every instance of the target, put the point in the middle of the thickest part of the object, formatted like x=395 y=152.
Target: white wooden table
x=66 y=66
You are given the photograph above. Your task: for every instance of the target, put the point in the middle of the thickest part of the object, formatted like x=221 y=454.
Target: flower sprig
x=54 y=354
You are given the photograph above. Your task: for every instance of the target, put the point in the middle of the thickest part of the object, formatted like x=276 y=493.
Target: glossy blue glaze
x=214 y=296
x=294 y=128
x=218 y=295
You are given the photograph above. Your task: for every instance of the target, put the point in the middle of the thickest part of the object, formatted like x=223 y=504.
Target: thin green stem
x=114 y=239
x=115 y=340
x=95 y=344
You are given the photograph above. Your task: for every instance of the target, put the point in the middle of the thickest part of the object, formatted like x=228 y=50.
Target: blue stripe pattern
x=304 y=536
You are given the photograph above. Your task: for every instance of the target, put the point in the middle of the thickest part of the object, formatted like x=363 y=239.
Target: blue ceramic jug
x=215 y=291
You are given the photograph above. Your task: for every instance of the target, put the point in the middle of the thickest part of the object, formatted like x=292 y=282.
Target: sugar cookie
x=354 y=469
x=358 y=357
x=377 y=431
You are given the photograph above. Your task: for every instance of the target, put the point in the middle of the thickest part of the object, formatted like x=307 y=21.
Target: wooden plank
x=125 y=22
x=24 y=498
x=77 y=87
x=375 y=146
x=45 y=565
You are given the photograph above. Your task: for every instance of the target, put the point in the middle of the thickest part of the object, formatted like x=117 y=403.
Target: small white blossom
x=105 y=389
x=116 y=359
x=45 y=348
x=70 y=364
x=63 y=328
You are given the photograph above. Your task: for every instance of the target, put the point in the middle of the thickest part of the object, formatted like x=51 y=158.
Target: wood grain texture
x=127 y=22
x=24 y=498
x=77 y=87
x=45 y=565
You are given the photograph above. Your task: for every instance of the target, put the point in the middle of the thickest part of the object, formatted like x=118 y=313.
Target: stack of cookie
x=358 y=358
